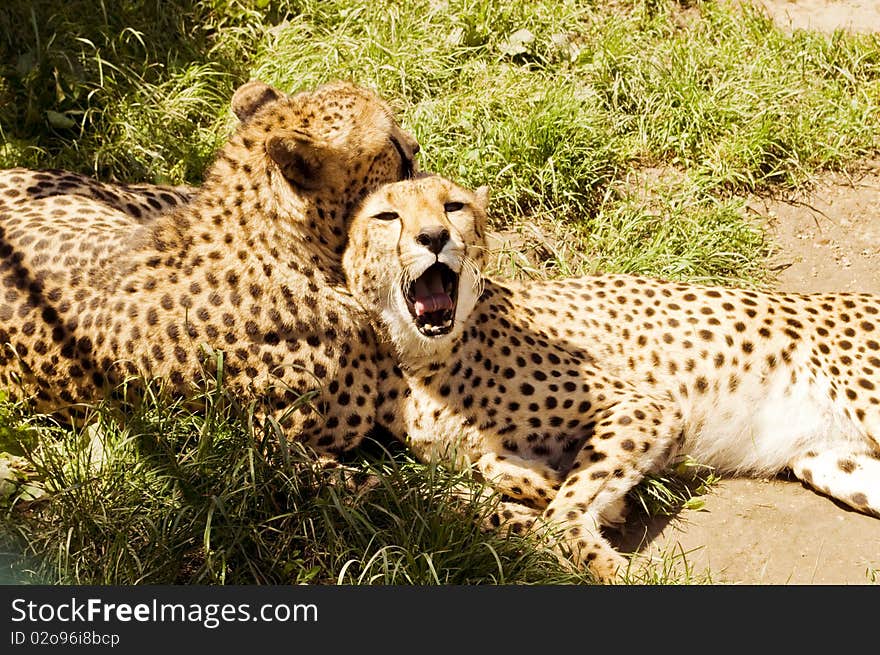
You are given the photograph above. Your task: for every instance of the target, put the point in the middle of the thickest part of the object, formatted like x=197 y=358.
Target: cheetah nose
x=433 y=238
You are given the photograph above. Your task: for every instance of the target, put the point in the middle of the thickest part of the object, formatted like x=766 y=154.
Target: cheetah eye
x=386 y=216
x=450 y=207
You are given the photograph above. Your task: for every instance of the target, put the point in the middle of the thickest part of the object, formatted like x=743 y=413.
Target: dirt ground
x=778 y=531
x=825 y=15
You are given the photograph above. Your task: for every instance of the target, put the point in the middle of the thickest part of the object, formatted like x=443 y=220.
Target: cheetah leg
x=630 y=439
x=528 y=480
x=852 y=477
x=514 y=517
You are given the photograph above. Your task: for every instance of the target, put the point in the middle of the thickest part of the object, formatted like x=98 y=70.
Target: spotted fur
x=250 y=265
x=565 y=393
x=70 y=196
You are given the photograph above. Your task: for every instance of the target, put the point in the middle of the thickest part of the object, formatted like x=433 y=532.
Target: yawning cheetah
x=566 y=392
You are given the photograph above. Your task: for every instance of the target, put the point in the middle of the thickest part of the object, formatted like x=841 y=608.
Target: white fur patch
x=766 y=424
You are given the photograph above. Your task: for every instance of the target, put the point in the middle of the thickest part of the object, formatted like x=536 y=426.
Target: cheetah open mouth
x=431 y=300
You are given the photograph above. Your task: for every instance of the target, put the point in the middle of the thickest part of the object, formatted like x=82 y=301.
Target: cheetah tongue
x=433 y=303
x=429 y=294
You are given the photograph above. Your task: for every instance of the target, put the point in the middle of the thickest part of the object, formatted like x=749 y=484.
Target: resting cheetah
x=251 y=265
x=566 y=392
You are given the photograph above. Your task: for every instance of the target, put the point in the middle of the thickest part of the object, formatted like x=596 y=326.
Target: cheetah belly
x=766 y=423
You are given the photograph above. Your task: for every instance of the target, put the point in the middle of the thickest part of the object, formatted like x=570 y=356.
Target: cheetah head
x=310 y=157
x=414 y=259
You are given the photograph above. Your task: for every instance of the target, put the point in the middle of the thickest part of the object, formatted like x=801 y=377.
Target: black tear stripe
x=406 y=165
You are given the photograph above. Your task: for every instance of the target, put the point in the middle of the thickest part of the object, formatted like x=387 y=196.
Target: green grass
x=558 y=105
x=161 y=494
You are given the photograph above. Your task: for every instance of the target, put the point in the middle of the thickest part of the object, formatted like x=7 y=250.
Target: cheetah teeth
x=436 y=330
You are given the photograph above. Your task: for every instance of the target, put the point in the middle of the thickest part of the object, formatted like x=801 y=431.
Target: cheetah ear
x=482 y=196
x=250 y=96
x=299 y=158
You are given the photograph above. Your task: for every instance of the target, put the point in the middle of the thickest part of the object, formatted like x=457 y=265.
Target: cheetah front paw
x=604 y=563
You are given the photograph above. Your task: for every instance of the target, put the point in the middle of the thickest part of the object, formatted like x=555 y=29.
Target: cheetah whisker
x=479 y=283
